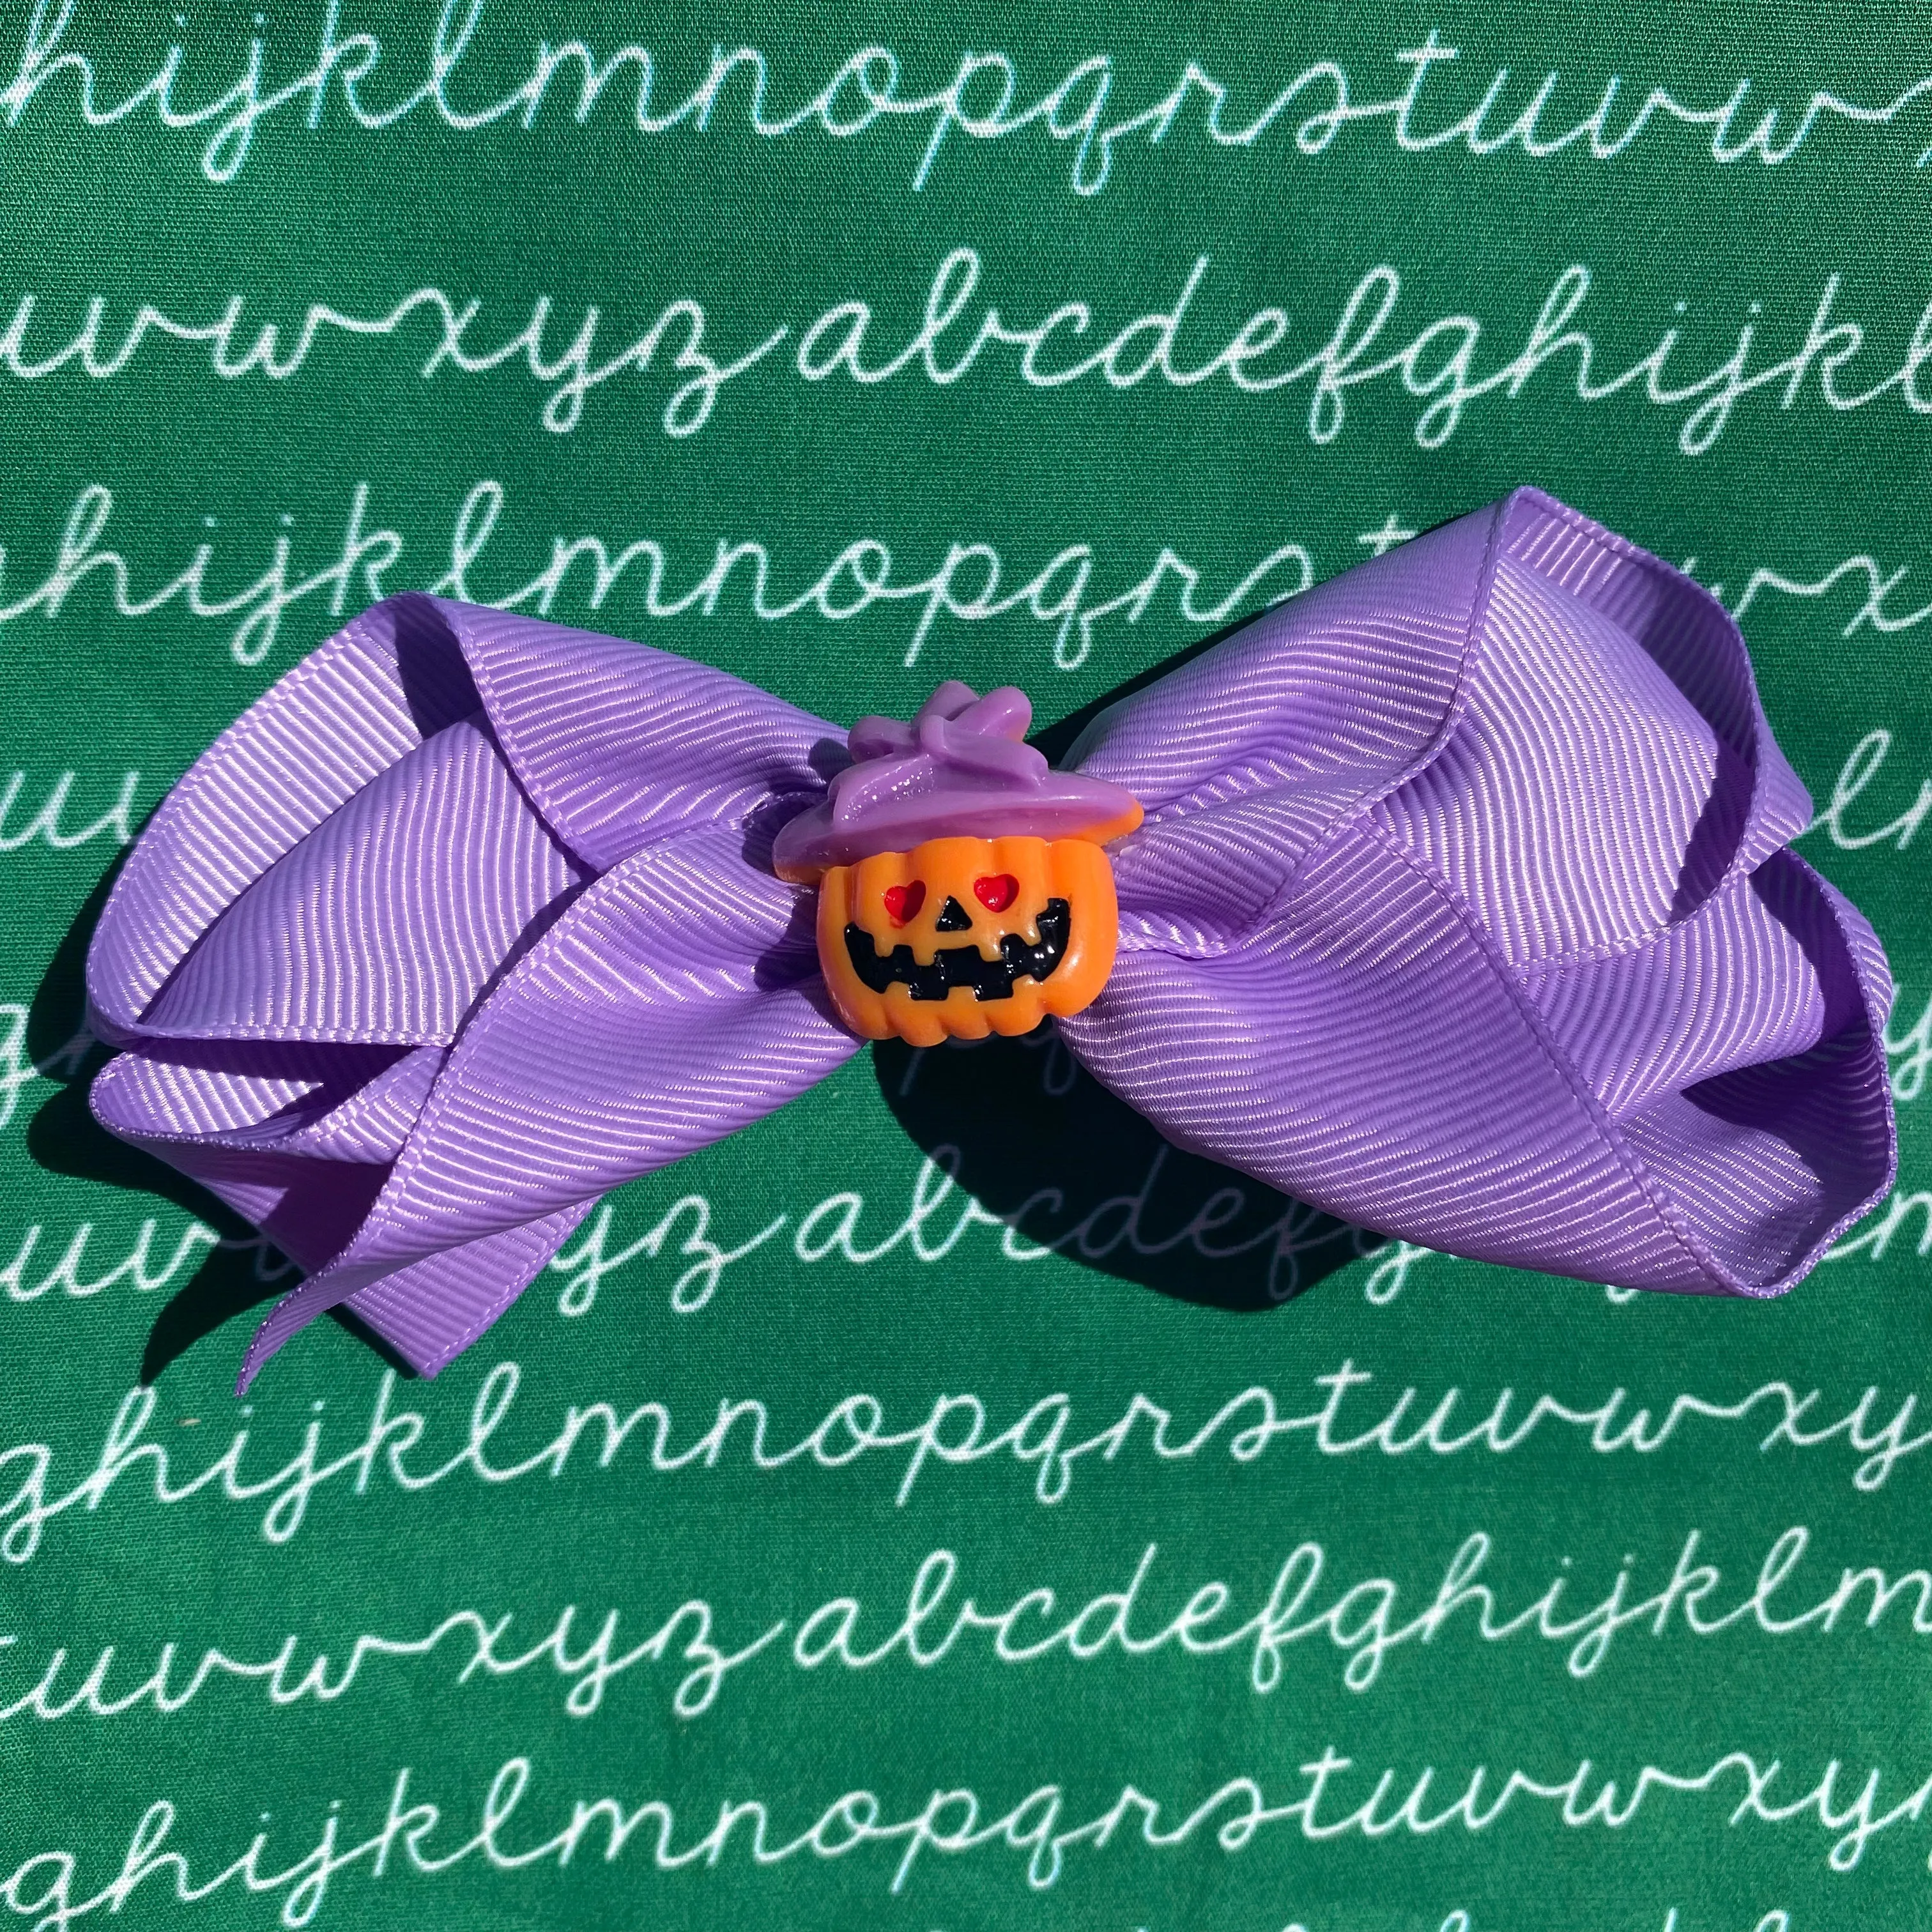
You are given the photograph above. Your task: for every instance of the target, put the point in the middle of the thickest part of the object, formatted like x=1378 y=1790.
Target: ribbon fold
x=1462 y=908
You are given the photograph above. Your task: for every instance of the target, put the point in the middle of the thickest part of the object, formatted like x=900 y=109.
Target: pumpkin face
x=966 y=937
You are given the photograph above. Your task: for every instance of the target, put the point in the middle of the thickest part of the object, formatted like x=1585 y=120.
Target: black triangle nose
x=952 y=918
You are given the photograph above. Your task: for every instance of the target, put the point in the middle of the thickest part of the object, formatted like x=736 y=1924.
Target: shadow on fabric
x=1021 y=1127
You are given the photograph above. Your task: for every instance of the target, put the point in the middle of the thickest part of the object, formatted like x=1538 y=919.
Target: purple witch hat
x=959 y=768
x=1463 y=908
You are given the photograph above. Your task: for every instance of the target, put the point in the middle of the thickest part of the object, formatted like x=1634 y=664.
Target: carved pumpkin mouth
x=964 y=965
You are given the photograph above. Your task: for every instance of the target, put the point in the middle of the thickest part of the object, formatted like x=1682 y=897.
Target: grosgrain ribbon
x=1463 y=909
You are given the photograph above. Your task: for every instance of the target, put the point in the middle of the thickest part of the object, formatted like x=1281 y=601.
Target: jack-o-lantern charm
x=966 y=936
x=963 y=886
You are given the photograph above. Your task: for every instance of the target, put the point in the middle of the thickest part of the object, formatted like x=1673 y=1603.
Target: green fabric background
x=1748 y=1427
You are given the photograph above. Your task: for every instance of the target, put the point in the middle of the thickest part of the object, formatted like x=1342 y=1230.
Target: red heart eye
x=903 y=902
x=996 y=891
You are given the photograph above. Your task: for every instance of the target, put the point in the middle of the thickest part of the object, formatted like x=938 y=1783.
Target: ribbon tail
x=678 y=1000
x=430 y=1311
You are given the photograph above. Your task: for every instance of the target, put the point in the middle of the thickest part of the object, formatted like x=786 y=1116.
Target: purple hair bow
x=1462 y=909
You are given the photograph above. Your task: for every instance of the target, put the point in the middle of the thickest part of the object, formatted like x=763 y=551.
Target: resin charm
x=963 y=890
